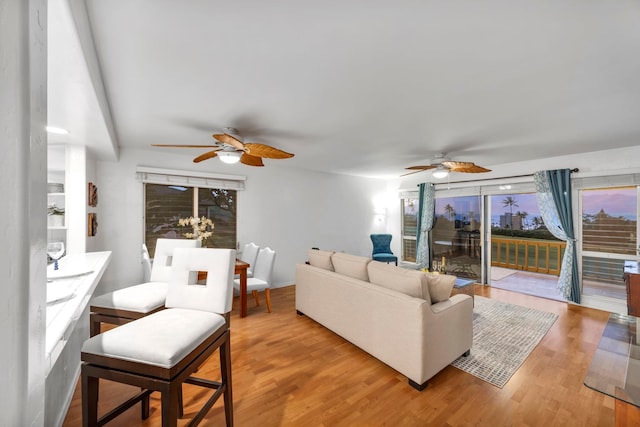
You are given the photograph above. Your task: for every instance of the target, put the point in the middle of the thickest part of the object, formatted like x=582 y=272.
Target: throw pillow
x=440 y=286
x=408 y=282
x=321 y=259
x=351 y=265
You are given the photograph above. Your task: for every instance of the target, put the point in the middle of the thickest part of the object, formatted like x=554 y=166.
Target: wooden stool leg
x=225 y=368
x=267 y=294
x=89 y=400
x=94 y=327
x=169 y=402
x=145 y=407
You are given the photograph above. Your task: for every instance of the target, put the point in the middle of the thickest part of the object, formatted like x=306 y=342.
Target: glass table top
x=615 y=367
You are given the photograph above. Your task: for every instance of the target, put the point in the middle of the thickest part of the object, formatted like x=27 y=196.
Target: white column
x=23 y=85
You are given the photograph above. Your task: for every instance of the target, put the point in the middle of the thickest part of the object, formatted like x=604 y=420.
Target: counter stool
x=127 y=304
x=159 y=352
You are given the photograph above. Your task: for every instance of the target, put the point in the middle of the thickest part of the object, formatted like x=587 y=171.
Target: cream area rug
x=503 y=337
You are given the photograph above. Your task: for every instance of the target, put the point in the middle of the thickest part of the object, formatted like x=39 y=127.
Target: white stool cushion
x=160 y=339
x=142 y=298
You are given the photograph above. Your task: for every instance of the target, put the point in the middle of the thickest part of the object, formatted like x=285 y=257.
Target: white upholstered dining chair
x=146 y=264
x=249 y=255
x=261 y=280
x=133 y=302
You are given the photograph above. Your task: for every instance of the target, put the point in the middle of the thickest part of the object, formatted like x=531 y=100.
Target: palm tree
x=450 y=211
x=510 y=201
x=537 y=222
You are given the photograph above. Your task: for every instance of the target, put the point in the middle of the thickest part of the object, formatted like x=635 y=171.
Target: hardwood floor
x=290 y=371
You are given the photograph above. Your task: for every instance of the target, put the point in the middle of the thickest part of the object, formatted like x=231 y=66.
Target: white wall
x=287 y=209
x=23 y=233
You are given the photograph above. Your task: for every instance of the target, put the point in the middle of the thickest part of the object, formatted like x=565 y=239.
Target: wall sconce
x=380 y=214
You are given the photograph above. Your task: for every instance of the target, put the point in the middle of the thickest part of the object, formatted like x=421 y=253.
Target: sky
x=615 y=202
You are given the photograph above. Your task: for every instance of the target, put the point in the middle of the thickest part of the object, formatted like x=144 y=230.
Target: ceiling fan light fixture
x=440 y=172
x=229 y=157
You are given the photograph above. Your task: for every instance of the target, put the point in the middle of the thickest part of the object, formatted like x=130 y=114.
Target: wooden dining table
x=241 y=269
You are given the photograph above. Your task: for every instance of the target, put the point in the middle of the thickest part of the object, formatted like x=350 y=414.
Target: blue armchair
x=382 y=248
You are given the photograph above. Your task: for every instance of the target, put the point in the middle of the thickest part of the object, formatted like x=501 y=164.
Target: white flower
x=202 y=227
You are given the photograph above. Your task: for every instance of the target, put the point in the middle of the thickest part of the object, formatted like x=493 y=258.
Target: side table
x=464 y=286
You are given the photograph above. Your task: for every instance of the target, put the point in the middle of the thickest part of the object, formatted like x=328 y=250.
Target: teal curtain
x=553 y=192
x=426 y=215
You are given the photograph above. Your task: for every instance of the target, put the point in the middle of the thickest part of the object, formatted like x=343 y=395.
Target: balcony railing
x=539 y=256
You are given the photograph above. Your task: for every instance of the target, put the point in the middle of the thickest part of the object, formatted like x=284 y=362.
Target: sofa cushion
x=440 y=286
x=408 y=282
x=321 y=259
x=351 y=265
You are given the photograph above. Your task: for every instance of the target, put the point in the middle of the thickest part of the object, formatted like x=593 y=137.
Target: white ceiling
x=371 y=87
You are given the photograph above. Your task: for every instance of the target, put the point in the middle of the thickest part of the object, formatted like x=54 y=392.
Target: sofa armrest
x=450 y=304
x=448 y=332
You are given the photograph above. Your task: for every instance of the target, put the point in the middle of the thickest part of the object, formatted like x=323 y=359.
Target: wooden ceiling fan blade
x=477 y=169
x=412 y=172
x=250 y=160
x=184 y=146
x=421 y=168
x=266 y=151
x=229 y=140
x=206 y=156
x=466 y=167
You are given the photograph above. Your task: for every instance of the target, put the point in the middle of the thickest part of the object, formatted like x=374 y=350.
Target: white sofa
x=387 y=311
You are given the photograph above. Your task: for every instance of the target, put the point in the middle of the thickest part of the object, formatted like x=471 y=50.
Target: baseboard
x=282 y=285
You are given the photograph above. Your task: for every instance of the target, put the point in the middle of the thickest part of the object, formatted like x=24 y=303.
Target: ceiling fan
x=442 y=167
x=230 y=148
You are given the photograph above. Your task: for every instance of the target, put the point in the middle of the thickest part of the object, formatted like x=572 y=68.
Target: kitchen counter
x=69 y=290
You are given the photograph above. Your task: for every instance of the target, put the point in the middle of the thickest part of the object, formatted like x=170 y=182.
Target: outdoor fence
x=539 y=256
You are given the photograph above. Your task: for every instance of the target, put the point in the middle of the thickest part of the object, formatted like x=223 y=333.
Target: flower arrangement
x=202 y=227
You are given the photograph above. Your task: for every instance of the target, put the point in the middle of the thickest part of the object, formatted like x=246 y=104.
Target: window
x=166 y=204
x=409 y=228
x=171 y=195
x=609 y=237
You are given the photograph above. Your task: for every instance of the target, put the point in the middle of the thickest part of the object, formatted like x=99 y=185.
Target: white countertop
x=69 y=290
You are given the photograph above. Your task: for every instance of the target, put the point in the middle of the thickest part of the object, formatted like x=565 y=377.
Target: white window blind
x=189 y=178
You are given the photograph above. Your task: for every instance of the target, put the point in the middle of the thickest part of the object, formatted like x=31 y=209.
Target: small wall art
x=93 y=195
x=92 y=224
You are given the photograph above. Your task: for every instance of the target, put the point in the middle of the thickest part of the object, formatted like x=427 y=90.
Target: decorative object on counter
x=202 y=228
x=55 y=250
x=56 y=216
x=93 y=195
x=92 y=224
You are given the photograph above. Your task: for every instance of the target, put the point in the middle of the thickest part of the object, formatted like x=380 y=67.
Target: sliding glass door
x=609 y=237
x=456 y=235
